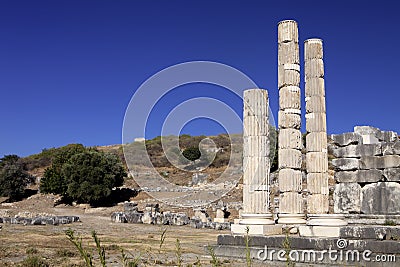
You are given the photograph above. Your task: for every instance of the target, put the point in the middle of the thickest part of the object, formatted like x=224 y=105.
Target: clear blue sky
x=69 y=68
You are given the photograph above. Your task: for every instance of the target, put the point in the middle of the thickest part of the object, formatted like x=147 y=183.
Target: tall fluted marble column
x=289 y=122
x=320 y=223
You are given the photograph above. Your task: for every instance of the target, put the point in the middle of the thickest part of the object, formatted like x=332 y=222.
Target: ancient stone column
x=316 y=146
x=289 y=122
x=256 y=165
x=316 y=139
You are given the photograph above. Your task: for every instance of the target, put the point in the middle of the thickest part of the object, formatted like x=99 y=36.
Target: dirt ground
x=18 y=243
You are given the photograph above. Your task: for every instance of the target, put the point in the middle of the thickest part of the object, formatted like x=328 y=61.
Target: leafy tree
x=53 y=181
x=91 y=175
x=13 y=177
x=192 y=153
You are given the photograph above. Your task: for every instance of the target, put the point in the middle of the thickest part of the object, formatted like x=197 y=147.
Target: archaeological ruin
x=349 y=202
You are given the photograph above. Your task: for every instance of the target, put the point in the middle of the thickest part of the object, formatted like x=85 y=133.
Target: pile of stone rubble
x=153 y=215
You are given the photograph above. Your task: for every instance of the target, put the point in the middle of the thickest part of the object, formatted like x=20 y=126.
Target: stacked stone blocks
x=367 y=171
x=256 y=162
x=289 y=119
x=316 y=139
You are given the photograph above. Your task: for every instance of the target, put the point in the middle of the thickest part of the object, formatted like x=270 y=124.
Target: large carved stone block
x=347 y=198
x=289 y=98
x=255 y=171
x=289 y=158
x=346 y=164
x=392 y=174
x=315 y=86
x=255 y=125
x=314 y=68
x=255 y=102
x=391 y=148
x=288 y=53
x=376 y=162
x=316 y=122
x=288 y=31
x=288 y=75
x=346 y=139
x=290 y=180
x=315 y=104
x=291 y=202
x=317 y=162
x=317 y=204
x=356 y=151
x=256 y=146
x=313 y=49
x=316 y=142
x=290 y=138
x=288 y=120
x=317 y=183
x=381 y=198
x=359 y=176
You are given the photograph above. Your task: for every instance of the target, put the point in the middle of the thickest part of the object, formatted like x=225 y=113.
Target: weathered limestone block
x=382 y=162
x=317 y=203
x=391 y=148
x=134 y=217
x=288 y=75
x=363 y=130
x=255 y=170
x=387 y=136
x=130 y=206
x=347 y=198
x=316 y=122
x=148 y=218
x=315 y=86
x=317 y=183
x=289 y=158
x=255 y=102
x=392 y=174
x=288 y=53
x=290 y=138
x=356 y=151
x=118 y=217
x=369 y=139
x=316 y=142
x=314 y=68
x=346 y=139
x=317 y=162
x=381 y=198
x=289 y=120
x=346 y=164
x=288 y=31
x=290 y=180
x=313 y=49
x=289 y=97
x=255 y=125
x=315 y=104
x=291 y=202
x=256 y=146
x=359 y=176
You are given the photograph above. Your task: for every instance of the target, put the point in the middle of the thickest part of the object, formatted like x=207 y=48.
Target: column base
x=257 y=224
x=323 y=225
x=286 y=218
x=326 y=220
x=256 y=219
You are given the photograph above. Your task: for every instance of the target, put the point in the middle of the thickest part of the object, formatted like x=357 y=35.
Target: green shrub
x=53 y=181
x=192 y=153
x=13 y=177
x=91 y=175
